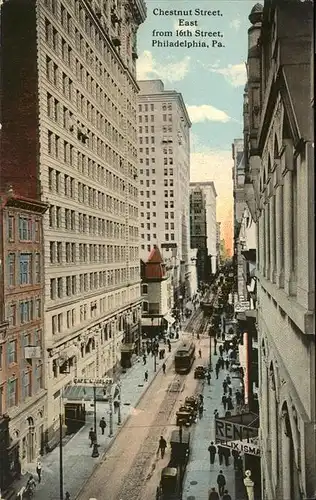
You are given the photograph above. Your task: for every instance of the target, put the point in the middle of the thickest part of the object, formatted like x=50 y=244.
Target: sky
x=211 y=80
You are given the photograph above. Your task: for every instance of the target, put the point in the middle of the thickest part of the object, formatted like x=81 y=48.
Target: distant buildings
x=279 y=190
x=164 y=161
x=218 y=242
x=198 y=232
x=204 y=201
x=69 y=138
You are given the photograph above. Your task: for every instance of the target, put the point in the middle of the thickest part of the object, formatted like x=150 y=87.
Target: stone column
x=266 y=240
x=272 y=238
x=274 y=436
x=288 y=256
x=280 y=239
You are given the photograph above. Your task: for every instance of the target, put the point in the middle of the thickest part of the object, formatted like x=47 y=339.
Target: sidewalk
x=200 y=475
x=77 y=461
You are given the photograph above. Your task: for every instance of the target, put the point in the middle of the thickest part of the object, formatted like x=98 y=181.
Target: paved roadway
x=131 y=468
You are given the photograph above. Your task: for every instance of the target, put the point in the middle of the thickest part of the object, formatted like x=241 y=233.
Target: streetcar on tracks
x=184 y=358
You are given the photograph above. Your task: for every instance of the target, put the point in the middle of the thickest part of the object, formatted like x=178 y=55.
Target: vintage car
x=200 y=372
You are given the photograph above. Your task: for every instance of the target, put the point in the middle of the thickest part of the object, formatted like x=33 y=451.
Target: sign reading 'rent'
x=228 y=431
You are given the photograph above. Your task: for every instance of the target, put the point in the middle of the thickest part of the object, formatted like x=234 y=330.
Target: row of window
x=30 y=383
x=88 y=253
x=64 y=218
x=152 y=237
x=68 y=286
x=65 y=184
x=145 y=107
x=23 y=268
x=23 y=228
x=89 y=310
x=24 y=311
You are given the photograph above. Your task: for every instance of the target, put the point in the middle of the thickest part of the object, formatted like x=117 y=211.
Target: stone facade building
x=22 y=383
x=198 y=232
x=210 y=195
x=280 y=193
x=69 y=97
x=164 y=171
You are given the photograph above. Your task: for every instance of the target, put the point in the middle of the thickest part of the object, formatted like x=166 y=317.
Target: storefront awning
x=150 y=321
x=79 y=393
x=127 y=347
x=170 y=319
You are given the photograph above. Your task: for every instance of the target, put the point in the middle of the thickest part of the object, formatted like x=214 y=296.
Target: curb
x=115 y=435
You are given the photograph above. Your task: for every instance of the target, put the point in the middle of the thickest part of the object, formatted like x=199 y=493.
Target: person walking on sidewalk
x=221 y=482
x=220 y=350
x=215 y=344
x=162 y=446
x=224 y=401
x=146 y=376
x=212 y=451
x=225 y=386
x=164 y=368
x=200 y=353
x=220 y=451
x=144 y=359
x=226 y=456
x=39 y=471
x=226 y=496
x=217 y=370
x=208 y=377
x=227 y=364
x=67 y=495
x=213 y=495
x=92 y=437
x=102 y=425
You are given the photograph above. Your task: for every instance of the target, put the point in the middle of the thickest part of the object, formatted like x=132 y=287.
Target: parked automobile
x=200 y=372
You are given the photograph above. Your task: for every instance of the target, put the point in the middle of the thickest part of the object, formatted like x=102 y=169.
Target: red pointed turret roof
x=154 y=267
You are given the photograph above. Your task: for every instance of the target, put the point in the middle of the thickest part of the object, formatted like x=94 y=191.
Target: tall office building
x=69 y=138
x=198 y=232
x=164 y=161
x=210 y=195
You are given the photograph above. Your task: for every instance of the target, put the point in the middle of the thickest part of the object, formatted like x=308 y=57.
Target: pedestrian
x=146 y=375
x=200 y=353
x=222 y=363
x=226 y=496
x=235 y=456
x=230 y=391
x=102 y=425
x=217 y=370
x=226 y=456
x=162 y=446
x=144 y=358
x=213 y=495
x=228 y=380
x=164 y=368
x=220 y=451
x=220 y=350
x=92 y=436
x=208 y=376
x=39 y=471
x=216 y=414
x=215 y=345
x=223 y=336
x=229 y=402
x=225 y=386
x=221 y=482
x=212 y=451
x=169 y=347
x=227 y=364
x=67 y=495
x=224 y=401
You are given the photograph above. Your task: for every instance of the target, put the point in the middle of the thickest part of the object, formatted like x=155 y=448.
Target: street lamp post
x=111 y=414
x=119 y=420
x=95 y=451
x=61 y=474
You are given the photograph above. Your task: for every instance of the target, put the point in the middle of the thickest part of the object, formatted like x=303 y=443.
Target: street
x=131 y=468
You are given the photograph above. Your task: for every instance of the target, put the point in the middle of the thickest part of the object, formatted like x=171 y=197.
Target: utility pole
x=111 y=413
x=61 y=474
x=95 y=450
x=119 y=421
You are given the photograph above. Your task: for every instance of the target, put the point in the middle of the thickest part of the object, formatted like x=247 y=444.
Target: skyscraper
x=164 y=161
x=69 y=138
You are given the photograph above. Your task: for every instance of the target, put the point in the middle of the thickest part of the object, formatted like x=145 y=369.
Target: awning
x=80 y=393
x=127 y=347
x=151 y=321
x=170 y=319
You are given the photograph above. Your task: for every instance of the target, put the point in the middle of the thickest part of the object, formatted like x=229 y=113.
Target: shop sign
x=32 y=352
x=250 y=448
x=230 y=431
x=93 y=382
